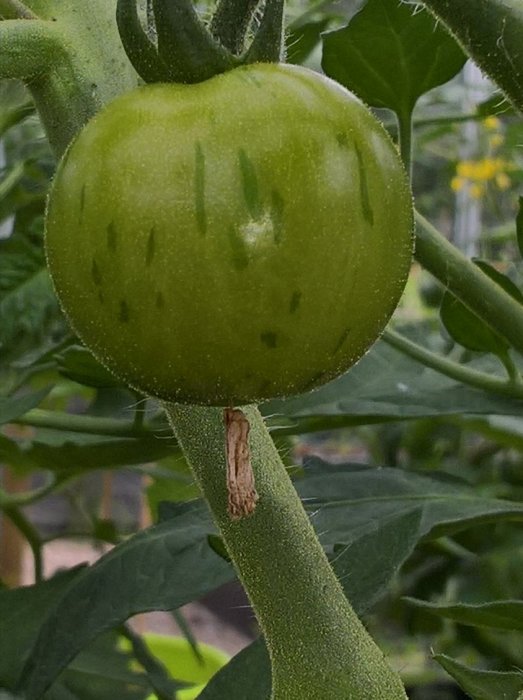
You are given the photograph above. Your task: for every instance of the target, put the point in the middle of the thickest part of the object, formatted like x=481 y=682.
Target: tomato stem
x=71 y=61
x=14 y=9
x=405 y=132
x=490 y=31
x=468 y=283
x=318 y=646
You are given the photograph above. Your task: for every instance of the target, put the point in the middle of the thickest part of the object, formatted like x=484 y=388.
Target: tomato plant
x=234 y=240
x=240 y=230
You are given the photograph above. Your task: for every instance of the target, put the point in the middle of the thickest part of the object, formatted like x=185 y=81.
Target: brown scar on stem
x=241 y=489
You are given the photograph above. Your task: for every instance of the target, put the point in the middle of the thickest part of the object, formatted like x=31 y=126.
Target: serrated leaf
x=345 y=497
x=467 y=329
x=483 y=685
x=390 y=54
x=500 y=614
x=160 y=568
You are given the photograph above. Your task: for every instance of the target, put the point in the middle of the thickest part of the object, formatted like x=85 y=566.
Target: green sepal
x=187 y=51
x=231 y=21
x=140 y=50
x=268 y=43
x=186 y=45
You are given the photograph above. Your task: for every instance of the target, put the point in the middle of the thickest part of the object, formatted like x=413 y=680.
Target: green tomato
x=230 y=241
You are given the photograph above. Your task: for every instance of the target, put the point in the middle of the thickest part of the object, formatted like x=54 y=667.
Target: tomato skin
x=233 y=240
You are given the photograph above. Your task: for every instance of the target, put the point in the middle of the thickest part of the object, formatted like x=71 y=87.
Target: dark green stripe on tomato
x=199 y=188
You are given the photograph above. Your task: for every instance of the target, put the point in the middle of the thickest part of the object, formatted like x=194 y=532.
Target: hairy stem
x=318 y=647
x=469 y=284
x=405 y=140
x=14 y=9
x=71 y=59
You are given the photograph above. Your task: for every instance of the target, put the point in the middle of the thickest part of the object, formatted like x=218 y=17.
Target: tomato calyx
x=178 y=47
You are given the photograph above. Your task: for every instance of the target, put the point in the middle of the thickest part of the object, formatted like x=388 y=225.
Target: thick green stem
x=319 y=649
x=71 y=59
x=405 y=140
x=469 y=284
x=14 y=9
x=490 y=31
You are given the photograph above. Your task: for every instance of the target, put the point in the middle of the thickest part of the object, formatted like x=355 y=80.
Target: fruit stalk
x=318 y=646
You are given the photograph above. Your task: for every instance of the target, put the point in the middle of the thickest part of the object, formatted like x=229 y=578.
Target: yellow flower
x=476 y=190
x=457 y=183
x=503 y=181
x=491 y=123
x=485 y=169
x=496 y=140
x=465 y=168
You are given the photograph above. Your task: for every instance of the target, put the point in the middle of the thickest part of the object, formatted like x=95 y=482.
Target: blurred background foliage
x=451 y=489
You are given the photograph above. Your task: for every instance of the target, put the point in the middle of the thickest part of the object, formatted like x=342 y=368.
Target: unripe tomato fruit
x=230 y=241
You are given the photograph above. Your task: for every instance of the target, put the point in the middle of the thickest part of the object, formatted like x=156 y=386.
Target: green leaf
x=12 y=407
x=78 y=364
x=77 y=452
x=502 y=280
x=160 y=568
x=387 y=385
x=519 y=226
x=27 y=301
x=483 y=685
x=345 y=497
x=467 y=329
x=247 y=675
x=390 y=54
x=21 y=613
x=158 y=675
x=303 y=39
x=173 y=481
x=101 y=672
x=366 y=566
x=500 y=614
